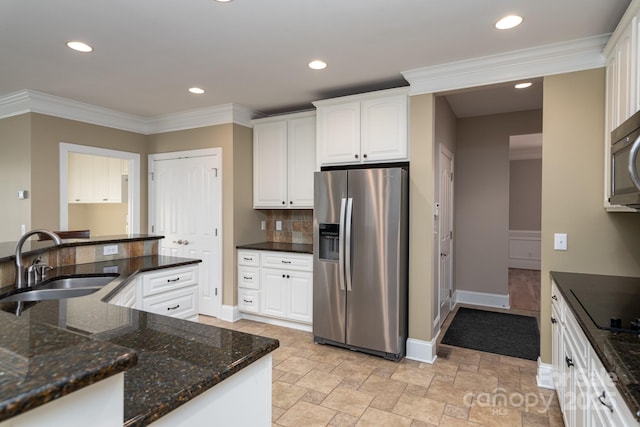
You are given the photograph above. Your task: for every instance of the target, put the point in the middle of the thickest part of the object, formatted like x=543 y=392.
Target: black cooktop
x=615 y=308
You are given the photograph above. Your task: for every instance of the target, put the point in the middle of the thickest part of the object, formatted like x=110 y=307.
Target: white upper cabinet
x=622 y=84
x=94 y=179
x=368 y=128
x=284 y=161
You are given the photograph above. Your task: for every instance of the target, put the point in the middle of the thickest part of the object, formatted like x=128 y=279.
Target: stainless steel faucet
x=21 y=271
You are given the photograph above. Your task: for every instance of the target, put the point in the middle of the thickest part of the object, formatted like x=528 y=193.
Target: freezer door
x=329 y=295
x=376 y=314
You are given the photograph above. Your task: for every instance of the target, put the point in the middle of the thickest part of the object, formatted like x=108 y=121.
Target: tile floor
x=318 y=385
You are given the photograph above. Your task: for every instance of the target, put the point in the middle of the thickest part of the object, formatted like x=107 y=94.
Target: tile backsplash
x=297 y=225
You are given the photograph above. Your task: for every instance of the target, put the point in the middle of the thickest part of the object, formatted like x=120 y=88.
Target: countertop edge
x=300 y=248
x=177 y=400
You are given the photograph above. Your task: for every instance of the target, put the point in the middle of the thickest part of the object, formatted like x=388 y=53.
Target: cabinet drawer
x=155 y=283
x=249 y=277
x=579 y=342
x=287 y=260
x=249 y=258
x=180 y=303
x=557 y=301
x=249 y=301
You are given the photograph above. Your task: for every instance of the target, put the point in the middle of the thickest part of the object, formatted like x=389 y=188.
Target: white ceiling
x=255 y=52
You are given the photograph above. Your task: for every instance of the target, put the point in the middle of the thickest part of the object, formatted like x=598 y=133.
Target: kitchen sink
x=67 y=287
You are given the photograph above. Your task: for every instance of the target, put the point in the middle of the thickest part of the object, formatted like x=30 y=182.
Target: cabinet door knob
x=288 y=276
x=553 y=297
x=283 y=276
x=553 y=320
x=356 y=156
x=290 y=202
x=569 y=361
x=364 y=155
x=283 y=202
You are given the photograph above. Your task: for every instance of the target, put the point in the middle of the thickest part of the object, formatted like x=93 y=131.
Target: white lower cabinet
x=586 y=393
x=170 y=292
x=280 y=287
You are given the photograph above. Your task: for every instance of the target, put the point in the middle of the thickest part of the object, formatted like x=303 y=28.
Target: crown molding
x=566 y=57
x=210 y=116
x=624 y=24
x=29 y=101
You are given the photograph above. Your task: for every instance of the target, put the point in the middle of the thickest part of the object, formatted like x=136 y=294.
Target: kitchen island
x=59 y=347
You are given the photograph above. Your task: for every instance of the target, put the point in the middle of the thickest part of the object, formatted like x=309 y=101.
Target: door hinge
x=216 y=232
x=215 y=292
x=451 y=176
x=153 y=175
x=216 y=171
x=153 y=228
x=451 y=235
x=450 y=293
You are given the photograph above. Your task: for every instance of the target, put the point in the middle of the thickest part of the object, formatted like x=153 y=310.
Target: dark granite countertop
x=34 y=246
x=279 y=247
x=618 y=352
x=87 y=339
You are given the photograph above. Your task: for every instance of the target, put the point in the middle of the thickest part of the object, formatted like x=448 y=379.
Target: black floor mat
x=499 y=333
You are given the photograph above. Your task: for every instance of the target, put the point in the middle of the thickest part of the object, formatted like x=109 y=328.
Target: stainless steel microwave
x=625 y=147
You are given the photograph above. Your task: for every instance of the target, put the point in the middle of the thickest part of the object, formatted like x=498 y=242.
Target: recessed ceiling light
x=509 y=22
x=523 y=85
x=79 y=46
x=317 y=64
x=196 y=90
x=223 y=1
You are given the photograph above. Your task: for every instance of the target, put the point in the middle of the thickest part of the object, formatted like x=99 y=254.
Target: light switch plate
x=278 y=225
x=560 y=241
x=110 y=250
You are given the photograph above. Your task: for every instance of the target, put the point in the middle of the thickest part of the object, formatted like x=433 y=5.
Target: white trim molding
x=481 y=298
x=30 y=101
x=525 y=249
x=421 y=351
x=278 y=322
x=230 y=313
x=544 y=377
x=565 y=57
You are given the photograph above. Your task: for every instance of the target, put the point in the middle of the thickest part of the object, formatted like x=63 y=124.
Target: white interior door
x=445 y=268
x=185 y=207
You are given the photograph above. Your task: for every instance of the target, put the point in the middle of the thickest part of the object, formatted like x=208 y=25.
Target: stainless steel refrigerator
x=360 y=247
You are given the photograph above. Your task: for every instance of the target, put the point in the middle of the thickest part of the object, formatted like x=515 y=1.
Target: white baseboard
x=230 y=313
x=278 y=322
x=544 y=378
x=524 y=249
x=421 y=351
x=481 y=298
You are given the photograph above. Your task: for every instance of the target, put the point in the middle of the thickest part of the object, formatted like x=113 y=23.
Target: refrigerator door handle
x=347 y=242
x=341 y=244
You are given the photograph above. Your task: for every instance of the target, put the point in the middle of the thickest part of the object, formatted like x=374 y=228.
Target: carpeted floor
x=500 y=333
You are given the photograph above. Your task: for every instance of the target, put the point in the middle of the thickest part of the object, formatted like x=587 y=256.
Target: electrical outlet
x=110 y=269
x=560 y=241
x=263 y=225
x=110 y=250
x=278 y=225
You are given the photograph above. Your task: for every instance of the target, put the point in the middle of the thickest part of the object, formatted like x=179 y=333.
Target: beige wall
x=482 y=198
x=240 y=222
x=103 y=219
x=572 y=190
x=15 y=174
x=421 y=288
x=46 y=134
x=525 y=194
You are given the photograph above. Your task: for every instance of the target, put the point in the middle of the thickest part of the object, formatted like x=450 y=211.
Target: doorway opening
x=99 y=190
